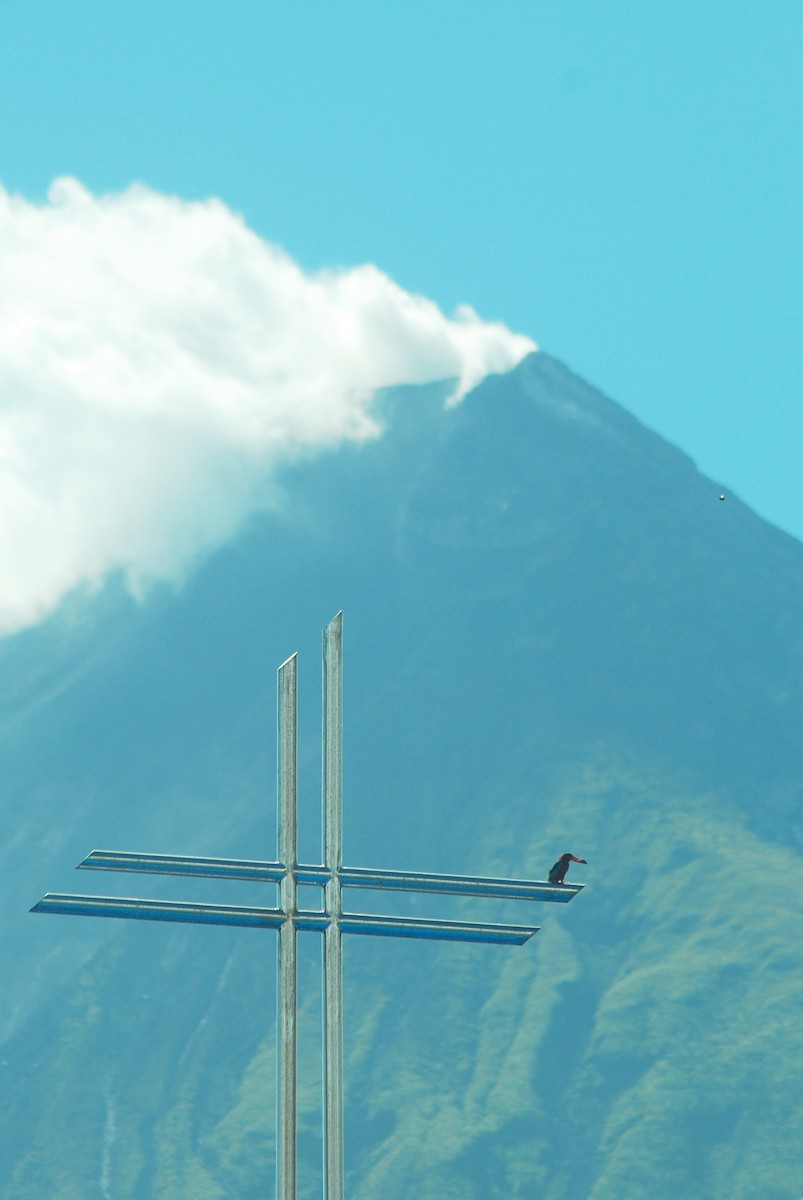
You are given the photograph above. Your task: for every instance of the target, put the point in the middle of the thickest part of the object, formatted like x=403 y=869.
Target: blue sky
x=622 y=183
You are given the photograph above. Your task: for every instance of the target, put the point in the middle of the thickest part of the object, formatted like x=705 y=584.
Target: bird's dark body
x=558 y=872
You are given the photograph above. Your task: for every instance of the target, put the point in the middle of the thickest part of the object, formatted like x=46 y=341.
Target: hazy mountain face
x=558 y=637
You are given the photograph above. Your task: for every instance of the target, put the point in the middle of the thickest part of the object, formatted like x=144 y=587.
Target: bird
x=558 y=872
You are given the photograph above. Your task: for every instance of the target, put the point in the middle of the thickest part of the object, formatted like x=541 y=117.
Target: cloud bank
x=158 y=359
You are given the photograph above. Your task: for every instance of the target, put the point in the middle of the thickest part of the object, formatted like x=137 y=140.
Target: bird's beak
x=582 y=860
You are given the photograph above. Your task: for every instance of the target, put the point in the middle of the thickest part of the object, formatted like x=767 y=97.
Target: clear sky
x=621 y=182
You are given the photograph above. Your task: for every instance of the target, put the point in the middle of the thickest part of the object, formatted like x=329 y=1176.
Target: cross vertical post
x=333 y=1131
x=287 y=945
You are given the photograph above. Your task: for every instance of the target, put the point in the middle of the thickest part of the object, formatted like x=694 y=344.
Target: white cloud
x=158 y=358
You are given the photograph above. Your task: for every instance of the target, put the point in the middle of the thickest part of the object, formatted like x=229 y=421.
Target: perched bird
x=558 y=872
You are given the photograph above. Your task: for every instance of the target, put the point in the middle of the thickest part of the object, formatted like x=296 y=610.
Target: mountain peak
x=555 y=635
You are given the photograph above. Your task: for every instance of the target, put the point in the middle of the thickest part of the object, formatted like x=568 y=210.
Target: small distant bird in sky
x=722 y=496
x=558 y=872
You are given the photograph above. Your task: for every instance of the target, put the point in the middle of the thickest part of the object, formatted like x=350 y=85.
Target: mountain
x=557 y=637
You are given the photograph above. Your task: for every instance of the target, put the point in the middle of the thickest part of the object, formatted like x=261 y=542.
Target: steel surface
x=458 y=885
x=443 y=931
x=183 y=864
x=159 y=910
x=351 y=877
x=333 y=1130
x=287 y=949
x=136 y=908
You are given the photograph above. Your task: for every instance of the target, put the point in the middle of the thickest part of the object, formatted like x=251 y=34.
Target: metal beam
x=134 y=908
x=442 y=931
x=159 y=910
x=287 y=947
x=333 y=1131
x=457 y=885
x=183 y=864
x=352 y=877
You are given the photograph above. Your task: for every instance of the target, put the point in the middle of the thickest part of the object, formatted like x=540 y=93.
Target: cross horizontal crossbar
x=356 y=877
x=159 y=910
x=182 y=864
x=274 y=918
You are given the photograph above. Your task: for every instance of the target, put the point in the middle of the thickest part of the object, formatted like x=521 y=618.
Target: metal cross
x=331 y=921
